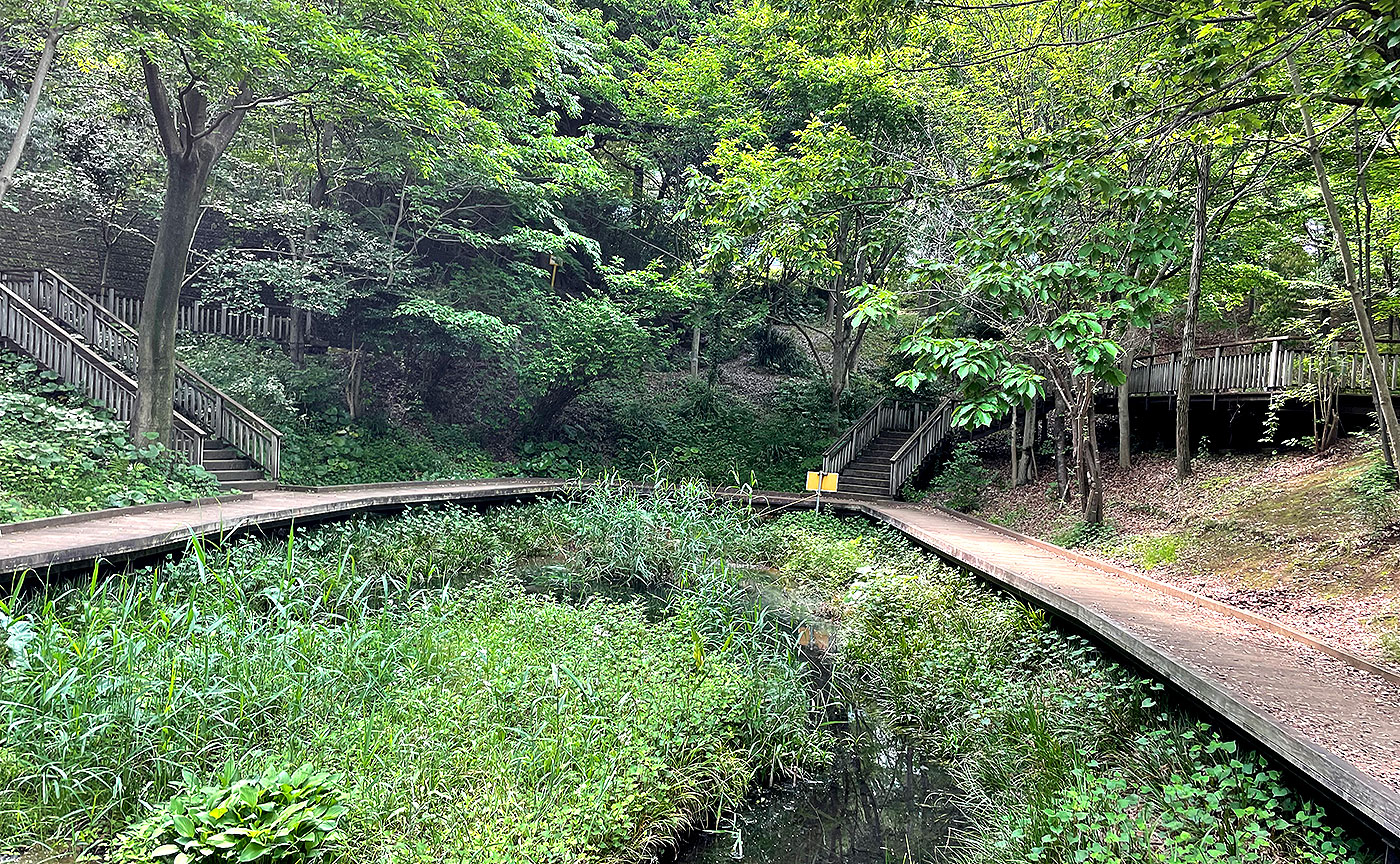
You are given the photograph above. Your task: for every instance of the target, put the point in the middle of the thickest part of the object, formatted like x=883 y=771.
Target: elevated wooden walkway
x=1327 y=715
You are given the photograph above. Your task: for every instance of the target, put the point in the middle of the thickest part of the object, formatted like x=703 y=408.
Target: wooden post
x=1271 y=381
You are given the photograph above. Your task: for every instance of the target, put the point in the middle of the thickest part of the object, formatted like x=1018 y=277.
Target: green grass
x=61 y=453
x=1149 y=552
x=468 y=717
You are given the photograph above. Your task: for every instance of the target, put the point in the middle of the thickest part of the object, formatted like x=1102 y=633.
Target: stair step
x=222 y=451
x=245 y=474
x=867 y=476
x=233 y=464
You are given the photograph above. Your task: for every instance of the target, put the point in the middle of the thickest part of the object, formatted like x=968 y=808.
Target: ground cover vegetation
x=581 y=680
x=1301 y=537
x=60 y=453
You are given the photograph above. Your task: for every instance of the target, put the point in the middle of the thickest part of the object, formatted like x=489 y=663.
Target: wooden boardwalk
x=1330 y=720
x=68 y=542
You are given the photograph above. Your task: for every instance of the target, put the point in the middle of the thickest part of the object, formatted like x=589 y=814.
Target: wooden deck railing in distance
x=1261 y=366
x=270 y=322
x=196 y=398
x=62 y=352
x=1258 y=366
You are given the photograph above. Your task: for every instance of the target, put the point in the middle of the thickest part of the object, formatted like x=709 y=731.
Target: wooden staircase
x=234 y=471
x=869 y=473
x=886 y=446
x=70 y=333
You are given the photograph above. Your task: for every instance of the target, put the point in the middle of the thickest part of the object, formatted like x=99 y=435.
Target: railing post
x=1215 y=372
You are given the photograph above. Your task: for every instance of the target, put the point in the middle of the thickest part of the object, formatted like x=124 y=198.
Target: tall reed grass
x=471 y=718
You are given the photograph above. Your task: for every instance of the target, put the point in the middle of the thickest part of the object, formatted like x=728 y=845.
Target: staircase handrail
x=845 y=448
x=80 y=365
x=229 y=419
x=922 y=441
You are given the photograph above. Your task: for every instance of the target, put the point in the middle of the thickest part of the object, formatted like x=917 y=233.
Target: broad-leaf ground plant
x=60 y=453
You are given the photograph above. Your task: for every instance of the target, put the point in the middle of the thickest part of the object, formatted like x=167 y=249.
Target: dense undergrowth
x=697 y=430
x=322 y=445
x=1060 y=754
x=471 y=711
x=60 y=453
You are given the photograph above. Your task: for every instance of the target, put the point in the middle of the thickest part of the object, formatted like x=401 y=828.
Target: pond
x=878 y=803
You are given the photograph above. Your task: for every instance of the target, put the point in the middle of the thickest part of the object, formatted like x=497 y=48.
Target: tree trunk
x=1081 y=471
x=1358 y=304
x=31 y=104
x=185 y=181
x=296 y=336
x=845 y=347
x=1057 y=424
x=1193 y=313
x=1026 y=470
x=192 y=140
x=1015 y=436
x=1093 y=475
x=315 y=197
x=695 y=347
x=1125 y=420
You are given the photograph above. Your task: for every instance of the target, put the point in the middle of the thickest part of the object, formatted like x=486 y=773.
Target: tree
x=205 y=67
x=827 y=211
x=31 y=103
x=568 y=345
x=1046 y=284
x=1218 y=65
x=1199 y=217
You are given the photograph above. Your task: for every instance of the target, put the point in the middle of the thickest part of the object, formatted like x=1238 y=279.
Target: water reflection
x=878 y=803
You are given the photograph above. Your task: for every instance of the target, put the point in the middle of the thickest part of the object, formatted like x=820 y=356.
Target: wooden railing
x=34 y=333
x=196 y=398
x=925 y=439
x=1258 y=366
x=886 y=415
x=272 y=322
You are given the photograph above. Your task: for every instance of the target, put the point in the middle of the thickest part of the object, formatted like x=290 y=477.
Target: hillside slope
x=1312 y=541
x=61 y=453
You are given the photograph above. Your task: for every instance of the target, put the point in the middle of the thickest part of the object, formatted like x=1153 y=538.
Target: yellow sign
x=819 y=482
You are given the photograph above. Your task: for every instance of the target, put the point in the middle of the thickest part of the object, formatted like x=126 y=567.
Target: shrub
x=1084 y=534
x=279 y=816
x=779 y=350
x=1375 y=489
x=961 y=482
x=321 y=444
